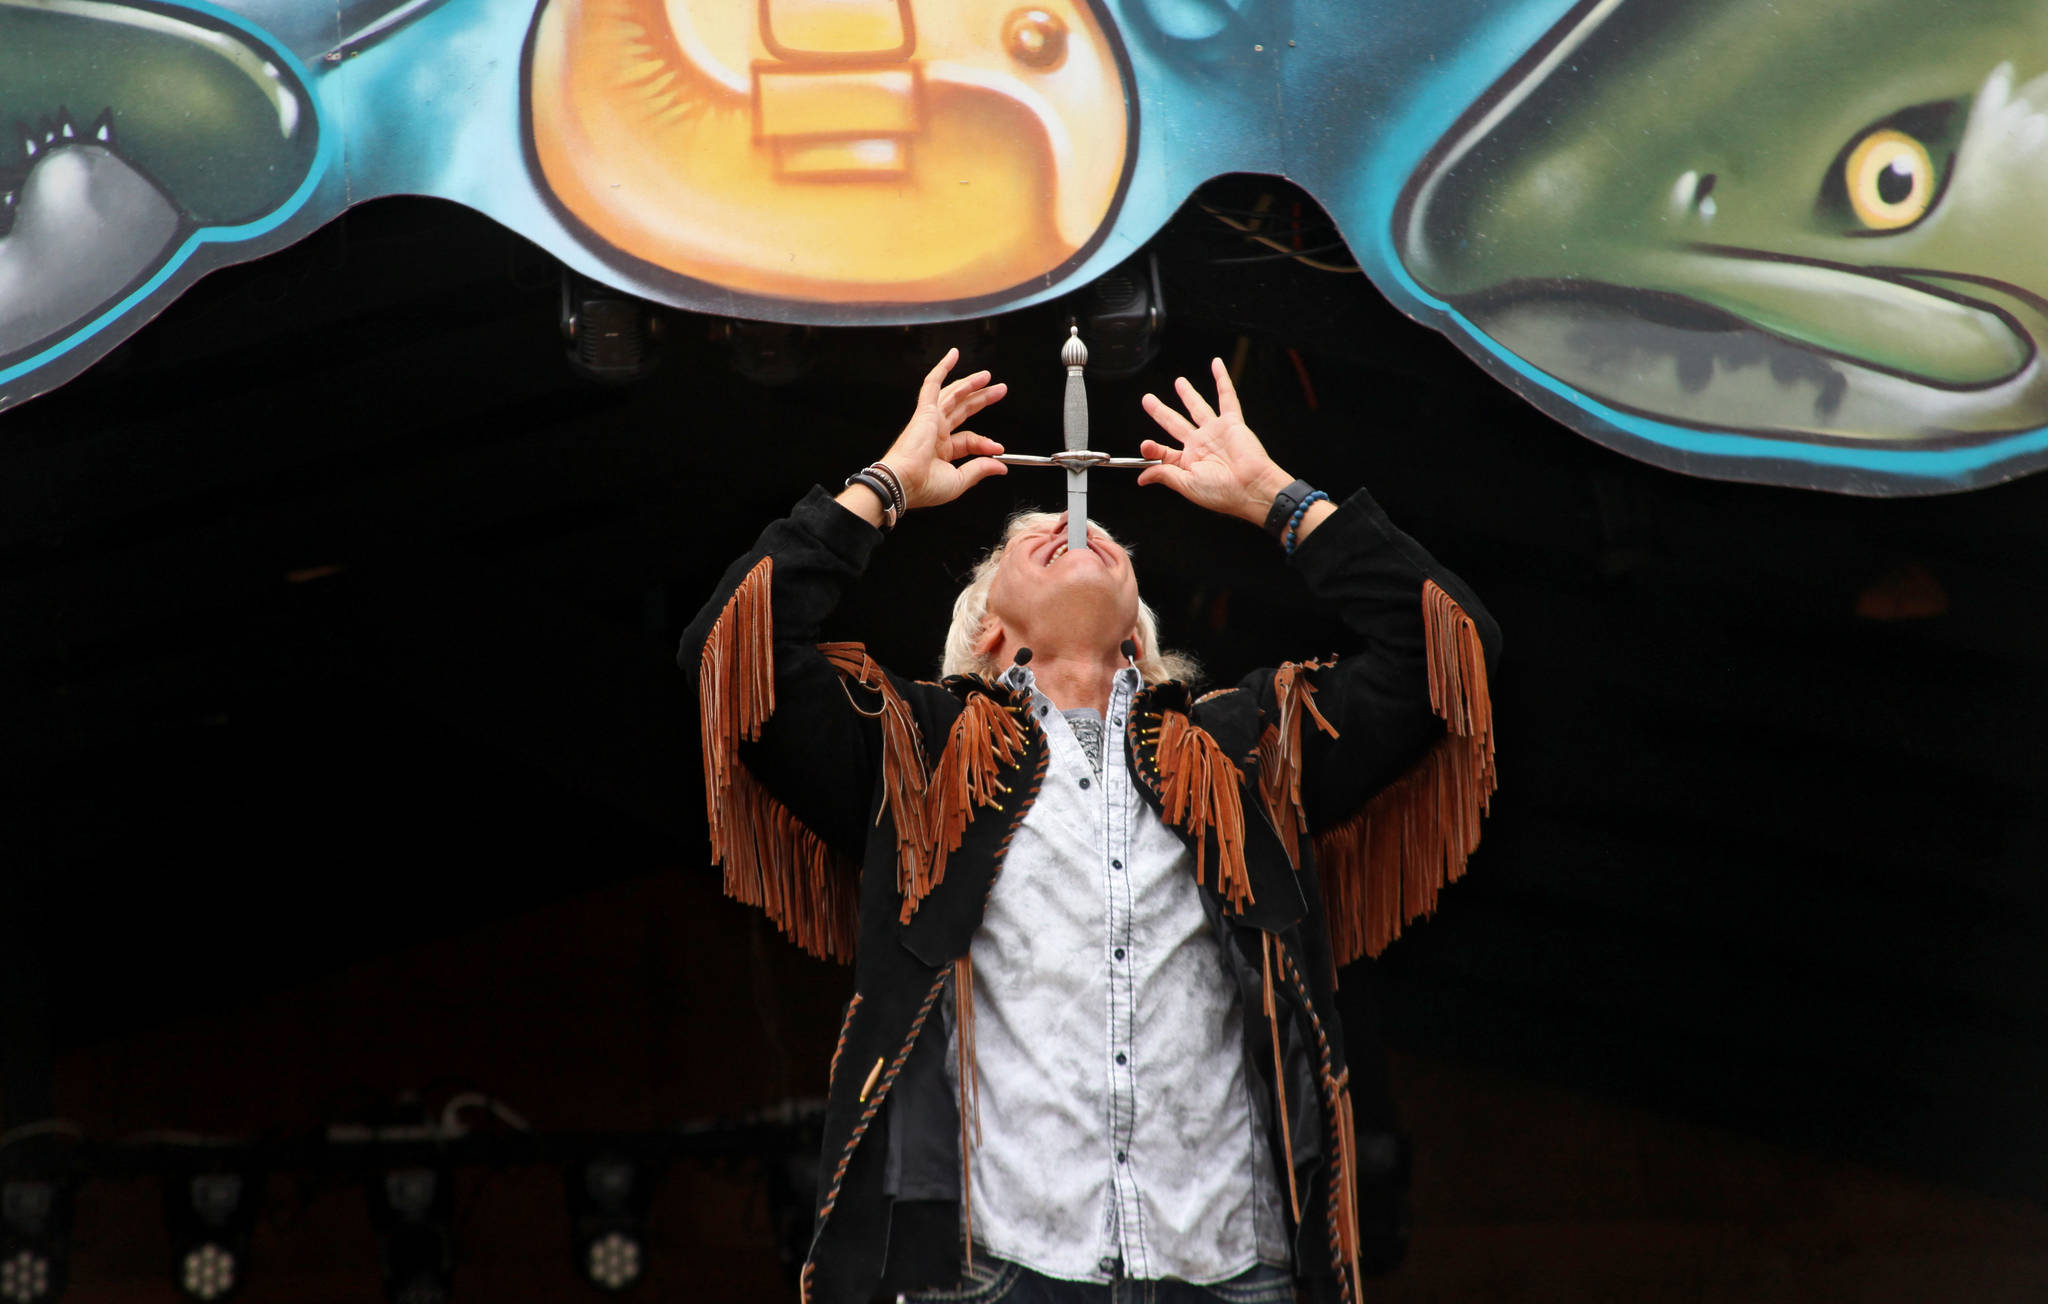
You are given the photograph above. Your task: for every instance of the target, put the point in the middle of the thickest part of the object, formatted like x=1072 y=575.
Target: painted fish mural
x=1735 y=237
x=1813 y=222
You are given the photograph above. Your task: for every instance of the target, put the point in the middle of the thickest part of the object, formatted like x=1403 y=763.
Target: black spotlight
x=413 y=1212
x=35 y=1233
x=769 y=352
x=608 y=1201
x=210 y=1216
x=612 y=337
x=1122 y=316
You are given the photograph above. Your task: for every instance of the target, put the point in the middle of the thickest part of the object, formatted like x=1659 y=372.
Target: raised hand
x=1219 y=464
x=923 y=455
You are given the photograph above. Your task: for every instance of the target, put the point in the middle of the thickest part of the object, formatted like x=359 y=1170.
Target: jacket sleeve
x=789 y=763
x=1386 y=753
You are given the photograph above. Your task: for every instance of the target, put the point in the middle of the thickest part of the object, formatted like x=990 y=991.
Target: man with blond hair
x=1092 y=1052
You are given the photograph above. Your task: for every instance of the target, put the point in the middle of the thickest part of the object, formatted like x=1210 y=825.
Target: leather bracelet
x=874 y=485
x=887 y=475
x=1284 y=504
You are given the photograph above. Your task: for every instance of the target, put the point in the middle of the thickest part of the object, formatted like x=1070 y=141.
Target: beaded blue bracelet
x=1314 y=496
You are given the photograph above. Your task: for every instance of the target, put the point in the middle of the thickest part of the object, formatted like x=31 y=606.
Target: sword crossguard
x=1078 y=459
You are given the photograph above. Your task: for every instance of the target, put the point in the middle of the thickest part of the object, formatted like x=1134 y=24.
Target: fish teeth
x=103 y=127
x=64 y=125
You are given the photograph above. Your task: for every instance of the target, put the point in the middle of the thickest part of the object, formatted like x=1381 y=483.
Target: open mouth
x=198 y=123
x=1679 y=359
x=76 y=231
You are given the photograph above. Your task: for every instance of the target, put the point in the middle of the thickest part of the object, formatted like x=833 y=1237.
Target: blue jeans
x=998 y=1281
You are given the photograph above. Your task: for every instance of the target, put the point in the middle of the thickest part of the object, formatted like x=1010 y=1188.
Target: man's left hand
x=1219 y=464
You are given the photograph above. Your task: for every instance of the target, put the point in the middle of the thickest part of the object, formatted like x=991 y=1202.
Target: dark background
x=346 y=767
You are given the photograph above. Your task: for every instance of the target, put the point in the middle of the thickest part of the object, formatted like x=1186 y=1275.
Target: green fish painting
x=133 y=126
x=1816 y=222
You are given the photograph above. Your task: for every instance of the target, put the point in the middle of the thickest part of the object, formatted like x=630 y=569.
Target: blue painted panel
x=1734 y=237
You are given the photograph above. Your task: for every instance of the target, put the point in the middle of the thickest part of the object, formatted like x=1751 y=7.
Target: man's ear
x=989 y=637
x=1138 y=638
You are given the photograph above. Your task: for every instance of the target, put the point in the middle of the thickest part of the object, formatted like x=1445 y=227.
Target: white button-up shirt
x=1118 y=1132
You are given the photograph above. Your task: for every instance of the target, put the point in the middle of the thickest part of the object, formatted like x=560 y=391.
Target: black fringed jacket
x=815 y=759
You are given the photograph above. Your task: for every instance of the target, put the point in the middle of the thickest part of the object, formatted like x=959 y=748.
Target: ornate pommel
x=1074 y=353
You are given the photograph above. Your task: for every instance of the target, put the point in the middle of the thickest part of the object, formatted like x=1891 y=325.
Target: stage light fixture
x=1122 y=315
x=612 y=337
x=413 y=1212
x=769 y=352
x=35 y=1229
x=210 y=1216
x=608 y=1202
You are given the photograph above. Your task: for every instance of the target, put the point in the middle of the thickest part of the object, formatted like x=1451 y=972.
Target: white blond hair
x=970 y=613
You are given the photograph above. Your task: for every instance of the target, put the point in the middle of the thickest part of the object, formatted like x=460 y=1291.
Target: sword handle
x=1075 y=355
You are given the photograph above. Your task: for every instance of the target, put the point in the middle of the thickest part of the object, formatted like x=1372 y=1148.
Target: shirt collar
x=1019 y=679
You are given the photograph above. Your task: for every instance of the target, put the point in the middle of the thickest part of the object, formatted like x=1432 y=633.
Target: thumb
x=981 y=468
x=1173 y=477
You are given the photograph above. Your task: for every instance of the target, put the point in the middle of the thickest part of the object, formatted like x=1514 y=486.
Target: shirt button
x=1119 y=953
x=1084 y=783
x=1116 y=864
x=1120 y=1058
x=1121 y=1157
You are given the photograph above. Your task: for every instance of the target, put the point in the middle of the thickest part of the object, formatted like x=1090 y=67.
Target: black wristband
x=1284 y=504
x=874 y=485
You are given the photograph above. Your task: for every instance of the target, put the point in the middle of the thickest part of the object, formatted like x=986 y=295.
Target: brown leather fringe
x=735 y=685
x=970 y=1091
x=985 y=738
x=904 y=773
x=774 y=862
x=1383 y=868
x=770 y=859
x=1280 y=753
x=1280 y=1083
x=1198 y=790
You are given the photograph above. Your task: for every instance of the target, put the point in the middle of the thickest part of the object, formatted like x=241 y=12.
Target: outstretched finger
x=1172 y=422
x=952 y=392
x=959 y=407
x=1226 y=393
x=936 y=378
x=1198 y=407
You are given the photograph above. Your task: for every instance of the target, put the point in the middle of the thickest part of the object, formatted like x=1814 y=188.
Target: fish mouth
x=77 y=232
x=200 y=124
x=1708 y=357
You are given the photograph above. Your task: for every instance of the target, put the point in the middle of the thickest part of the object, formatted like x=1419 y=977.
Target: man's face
x=1042 y=589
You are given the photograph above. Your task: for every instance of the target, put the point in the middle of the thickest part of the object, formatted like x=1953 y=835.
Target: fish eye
x=1890 y=179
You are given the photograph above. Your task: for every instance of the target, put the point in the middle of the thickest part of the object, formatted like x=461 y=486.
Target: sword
x=1077 y=458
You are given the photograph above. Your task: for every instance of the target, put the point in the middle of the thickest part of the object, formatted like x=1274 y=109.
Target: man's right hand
x=923 y=455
